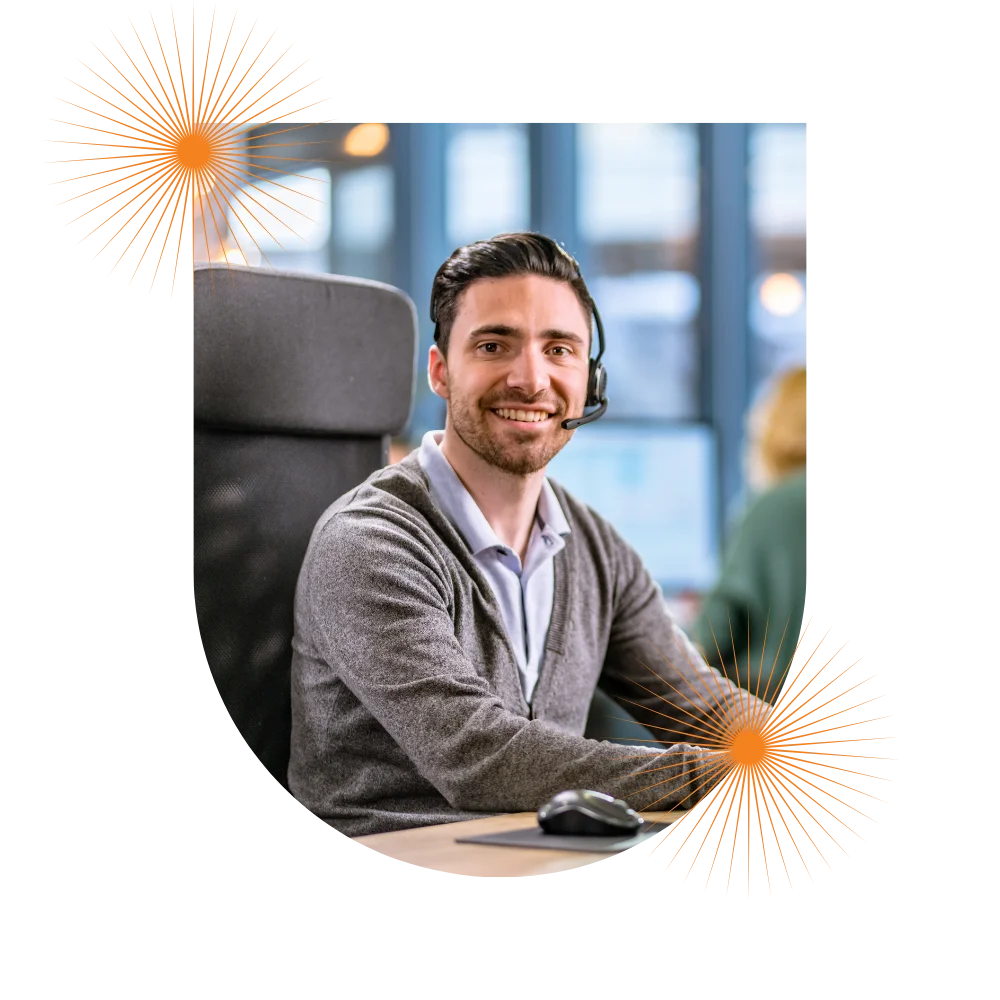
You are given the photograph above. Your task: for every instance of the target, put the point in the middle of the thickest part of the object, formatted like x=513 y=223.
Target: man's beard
x=524 y=452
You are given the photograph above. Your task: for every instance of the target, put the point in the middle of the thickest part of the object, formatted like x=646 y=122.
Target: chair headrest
x=279 y=351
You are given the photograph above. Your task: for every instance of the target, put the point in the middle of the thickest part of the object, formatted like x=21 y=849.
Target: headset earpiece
x=597 y=383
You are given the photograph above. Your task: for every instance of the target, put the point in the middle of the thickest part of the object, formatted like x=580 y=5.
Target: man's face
x=516 y=368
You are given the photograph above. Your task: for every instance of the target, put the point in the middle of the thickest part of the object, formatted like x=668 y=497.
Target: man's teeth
x=532 y=416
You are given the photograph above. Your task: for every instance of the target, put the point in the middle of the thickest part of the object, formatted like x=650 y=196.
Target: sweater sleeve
x=379 y=606
x=655 y=670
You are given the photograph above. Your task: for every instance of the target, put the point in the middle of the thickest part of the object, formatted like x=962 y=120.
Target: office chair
x=298 y=382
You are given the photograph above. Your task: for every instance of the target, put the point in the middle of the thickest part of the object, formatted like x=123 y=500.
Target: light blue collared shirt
x=525 y=593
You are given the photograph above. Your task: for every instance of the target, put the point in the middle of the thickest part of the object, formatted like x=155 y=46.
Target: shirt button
x=548 y=541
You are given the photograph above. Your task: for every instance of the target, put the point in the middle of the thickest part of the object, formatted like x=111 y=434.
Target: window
x=777 y=315
x=487 y=181
x=362 y=208
x=656 y=484
x=331 y=212
x=362 y=229
x=638 y=218
x=284 y=221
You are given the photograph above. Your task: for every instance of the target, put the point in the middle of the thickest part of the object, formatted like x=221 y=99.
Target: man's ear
x=437 y=372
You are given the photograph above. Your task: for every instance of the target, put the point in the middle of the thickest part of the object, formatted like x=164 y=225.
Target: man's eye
x=490 y=348
x=565 y=350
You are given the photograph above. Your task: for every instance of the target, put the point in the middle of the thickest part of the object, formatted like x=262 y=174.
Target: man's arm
x=657 y=673
x=728 y=612
x=379 y=604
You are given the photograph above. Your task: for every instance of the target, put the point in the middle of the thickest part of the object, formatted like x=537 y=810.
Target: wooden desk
x=434 y=847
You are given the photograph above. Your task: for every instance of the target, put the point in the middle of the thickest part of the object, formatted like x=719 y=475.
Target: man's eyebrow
x=501 y=330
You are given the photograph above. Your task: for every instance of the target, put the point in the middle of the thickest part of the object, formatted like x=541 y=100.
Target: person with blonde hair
x=750 y=621
x=778 y=431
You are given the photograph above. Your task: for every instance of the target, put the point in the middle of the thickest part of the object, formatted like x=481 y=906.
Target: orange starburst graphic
x=779 y=784
x=183 y=146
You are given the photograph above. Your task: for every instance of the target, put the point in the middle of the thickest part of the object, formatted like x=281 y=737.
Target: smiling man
x=456 y=611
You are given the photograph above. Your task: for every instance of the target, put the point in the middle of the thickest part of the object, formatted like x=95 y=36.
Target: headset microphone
x=571 y=425
x=597 y=384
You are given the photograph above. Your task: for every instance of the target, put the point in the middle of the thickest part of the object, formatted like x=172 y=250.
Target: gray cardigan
x=407 y=706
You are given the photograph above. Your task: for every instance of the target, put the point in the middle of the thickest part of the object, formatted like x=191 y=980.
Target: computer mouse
x=586 y=813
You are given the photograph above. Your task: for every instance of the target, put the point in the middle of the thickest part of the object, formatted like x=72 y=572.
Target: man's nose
x=529 y=372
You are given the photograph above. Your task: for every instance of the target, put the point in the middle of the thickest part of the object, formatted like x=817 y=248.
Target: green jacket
x=762 y=585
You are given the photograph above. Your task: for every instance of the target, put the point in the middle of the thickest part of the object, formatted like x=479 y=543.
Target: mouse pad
x=534 y=837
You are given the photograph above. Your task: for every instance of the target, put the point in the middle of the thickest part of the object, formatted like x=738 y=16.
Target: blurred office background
x=692 y=238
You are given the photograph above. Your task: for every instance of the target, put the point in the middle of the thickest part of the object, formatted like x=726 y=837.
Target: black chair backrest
x=298 y=381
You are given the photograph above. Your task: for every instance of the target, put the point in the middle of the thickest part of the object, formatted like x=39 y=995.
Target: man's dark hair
x=502 y=256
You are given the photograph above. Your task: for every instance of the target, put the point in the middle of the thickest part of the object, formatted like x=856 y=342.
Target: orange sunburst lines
x=215 y=108
x=707 y=728
x=246 y=193
x=228 y=110
x=175 y=200
x=126 y=222
x=93 y=93
x=236 y=200
x=178 y=104
x=214 y=193
x=229 y=172
x=204 y=66
x=166 y=147
x=185 y=108
x=150 y=112
x=768 y=775
x=135 y=236
x=102 y=204
x=226 y=158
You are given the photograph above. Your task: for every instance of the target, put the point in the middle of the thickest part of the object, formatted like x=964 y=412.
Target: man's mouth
x=522 y=416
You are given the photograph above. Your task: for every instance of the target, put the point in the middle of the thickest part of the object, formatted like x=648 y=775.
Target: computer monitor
x=656 y=484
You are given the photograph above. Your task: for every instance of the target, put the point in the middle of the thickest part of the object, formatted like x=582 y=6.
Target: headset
x=597 y=383
x=597 y=376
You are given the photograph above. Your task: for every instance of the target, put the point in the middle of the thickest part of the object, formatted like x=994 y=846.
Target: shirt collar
x=550 y=511
x=454 y=499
